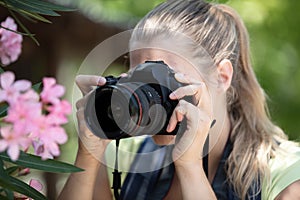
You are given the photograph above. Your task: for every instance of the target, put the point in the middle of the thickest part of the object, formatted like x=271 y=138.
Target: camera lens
x=124 y=110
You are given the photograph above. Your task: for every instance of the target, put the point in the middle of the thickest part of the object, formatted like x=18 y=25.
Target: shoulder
x=284 y=173
x=290 y=192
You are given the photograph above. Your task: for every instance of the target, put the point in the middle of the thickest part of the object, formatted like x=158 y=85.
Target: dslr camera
x=135 y=105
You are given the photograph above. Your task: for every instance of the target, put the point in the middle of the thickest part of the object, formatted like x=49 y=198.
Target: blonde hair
x=219 y=29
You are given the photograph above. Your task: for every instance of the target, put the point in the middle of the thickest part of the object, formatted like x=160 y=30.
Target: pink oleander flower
x=58 y=112
x=32 y=119
x=10 y=42
x=49 y=136
x=23 y=115
x=10 y=90
x=51 y=91
x=12 y=141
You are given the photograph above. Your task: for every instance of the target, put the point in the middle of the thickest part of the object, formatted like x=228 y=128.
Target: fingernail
x=168 y=128
x=180 y=118
x=172 y=96
x=101 y=81
x=179 y=75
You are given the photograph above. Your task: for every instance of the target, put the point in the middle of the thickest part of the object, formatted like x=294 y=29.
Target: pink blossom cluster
x=10 y=42
x=32 y=118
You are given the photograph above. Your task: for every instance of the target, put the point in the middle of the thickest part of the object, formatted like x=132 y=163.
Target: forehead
x=174 y=60
x=150 y=54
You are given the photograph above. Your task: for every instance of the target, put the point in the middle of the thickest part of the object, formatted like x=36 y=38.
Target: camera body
x=135 y=105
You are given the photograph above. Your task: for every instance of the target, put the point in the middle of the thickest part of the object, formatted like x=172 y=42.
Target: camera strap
x=205 y=156
x=116 y=174
x=205 y=151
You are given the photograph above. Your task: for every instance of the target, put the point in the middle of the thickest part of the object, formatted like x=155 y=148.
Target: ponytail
x=252 y=131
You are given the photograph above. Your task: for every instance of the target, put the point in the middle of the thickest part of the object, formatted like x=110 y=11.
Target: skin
x=190 y=181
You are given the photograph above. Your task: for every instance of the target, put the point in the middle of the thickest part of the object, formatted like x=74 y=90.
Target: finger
x=192 y=113
x=177 y=116
x=189 y=90
x=172 y=122
x=80 y=114
x=80 y=103
x=201 y=97
x=86 y=82
x=123 y=75
x=196 y=90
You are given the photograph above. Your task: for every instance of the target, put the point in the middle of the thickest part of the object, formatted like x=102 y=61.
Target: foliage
x=32 y=10
x=118 y=12
x=21 y=132
x=30 y=116
x=274 y=34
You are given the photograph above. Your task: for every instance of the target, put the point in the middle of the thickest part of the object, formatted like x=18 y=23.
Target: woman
x=226 y=91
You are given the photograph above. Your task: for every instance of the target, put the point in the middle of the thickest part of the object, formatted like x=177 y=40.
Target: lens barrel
x=125 y=110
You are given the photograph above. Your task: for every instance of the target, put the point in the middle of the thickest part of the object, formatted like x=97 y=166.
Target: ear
x=225 y=73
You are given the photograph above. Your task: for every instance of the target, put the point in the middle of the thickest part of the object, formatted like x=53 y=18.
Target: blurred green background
x=275 y=44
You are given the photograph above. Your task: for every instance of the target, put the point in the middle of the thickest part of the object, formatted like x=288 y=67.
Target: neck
x=218 y=137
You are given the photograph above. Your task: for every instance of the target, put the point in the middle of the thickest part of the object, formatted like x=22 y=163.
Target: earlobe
x=225 y=73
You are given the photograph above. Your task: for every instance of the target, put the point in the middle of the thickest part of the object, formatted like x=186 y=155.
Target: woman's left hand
x=189 y=148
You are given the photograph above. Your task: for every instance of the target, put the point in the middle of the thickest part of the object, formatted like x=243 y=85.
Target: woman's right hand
x=82 y=185
x=88 y=143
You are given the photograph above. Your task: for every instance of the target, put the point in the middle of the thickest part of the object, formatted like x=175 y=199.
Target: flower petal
x=3 y=145
x=48 y=82
x=59 y=135
x=13 y=152
x=53 y=149
x=6 y=131
x=36 y=184
x=22 y=85
x=6 y=79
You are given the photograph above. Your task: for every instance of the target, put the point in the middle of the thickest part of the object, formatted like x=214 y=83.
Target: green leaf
x=35 y=162
x=35 y=16
x=14 y=184
x=49 y=5
x=36 y=87
x=4 y=175
x=37 y=6
x=10 y=183
x=30 y=8
x=25 y=34
x=11 y=170
x=9 y=194
x=4 y=197
x=1 y=70
x=3 y=109
x=23 y=27
x=28 y=18
x=2 y=171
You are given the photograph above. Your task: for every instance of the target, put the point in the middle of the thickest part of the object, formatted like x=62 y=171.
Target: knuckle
x=194 y=88
x=78 y=80
x=91 y=80
x=79 y=103
x=182 y=102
